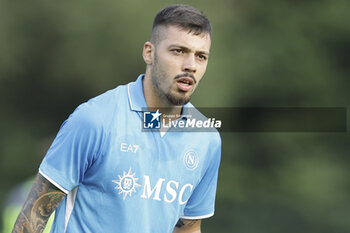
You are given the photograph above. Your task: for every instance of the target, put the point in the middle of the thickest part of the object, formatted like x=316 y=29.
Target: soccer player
x=103 y=173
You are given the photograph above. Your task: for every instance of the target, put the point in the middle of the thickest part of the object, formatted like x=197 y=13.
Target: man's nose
x=189 y=63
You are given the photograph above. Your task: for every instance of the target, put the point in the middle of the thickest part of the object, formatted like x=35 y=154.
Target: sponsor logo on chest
x=162 y=190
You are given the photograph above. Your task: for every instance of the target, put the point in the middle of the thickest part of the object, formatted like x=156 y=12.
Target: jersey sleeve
x=76 y=146
x=202 y=201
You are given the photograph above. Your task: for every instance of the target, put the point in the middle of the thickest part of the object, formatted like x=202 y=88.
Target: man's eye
x=177 y=50
x=202 y=57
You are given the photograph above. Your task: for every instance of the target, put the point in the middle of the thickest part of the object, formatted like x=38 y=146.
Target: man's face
x=179 y=63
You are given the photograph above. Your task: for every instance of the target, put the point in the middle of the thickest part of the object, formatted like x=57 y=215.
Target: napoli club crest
x=191 y=160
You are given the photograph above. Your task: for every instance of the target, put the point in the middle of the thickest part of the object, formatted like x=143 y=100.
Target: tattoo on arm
x=180 y=223
x=186 y=225
x=42 y=200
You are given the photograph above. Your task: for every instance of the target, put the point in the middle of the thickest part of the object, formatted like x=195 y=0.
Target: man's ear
x=148 y=53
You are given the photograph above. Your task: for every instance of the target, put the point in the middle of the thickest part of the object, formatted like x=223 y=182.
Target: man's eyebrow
x=187 y=49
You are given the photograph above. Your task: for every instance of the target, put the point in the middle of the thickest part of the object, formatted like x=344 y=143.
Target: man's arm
x=188 y=226
x=42 y=200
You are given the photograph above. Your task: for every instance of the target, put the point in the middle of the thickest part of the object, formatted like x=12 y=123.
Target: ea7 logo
x=125 y=147
x=172 y=192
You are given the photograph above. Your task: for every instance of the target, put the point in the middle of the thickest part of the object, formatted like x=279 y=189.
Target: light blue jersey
x=119 y=178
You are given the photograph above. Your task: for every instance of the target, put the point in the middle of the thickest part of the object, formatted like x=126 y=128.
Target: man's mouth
x=185 y=83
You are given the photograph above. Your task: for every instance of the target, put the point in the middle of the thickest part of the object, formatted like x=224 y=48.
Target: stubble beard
x=177 y=99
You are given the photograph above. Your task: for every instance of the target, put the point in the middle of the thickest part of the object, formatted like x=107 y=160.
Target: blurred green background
x=275 y=53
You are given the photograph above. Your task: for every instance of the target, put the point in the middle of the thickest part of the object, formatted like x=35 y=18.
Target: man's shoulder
x=208 y=125
x=99 y=111
x=108 y=99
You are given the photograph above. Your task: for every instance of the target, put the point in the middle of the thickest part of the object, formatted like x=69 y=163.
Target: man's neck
x=154 y=101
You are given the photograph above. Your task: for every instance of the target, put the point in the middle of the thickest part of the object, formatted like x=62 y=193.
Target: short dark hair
x=183 y=16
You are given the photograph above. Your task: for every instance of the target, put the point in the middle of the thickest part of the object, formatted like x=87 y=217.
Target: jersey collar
x=137 y=100
x=135 y=93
